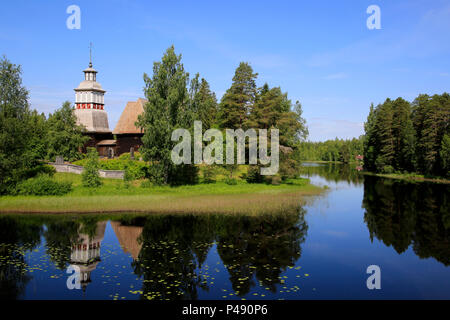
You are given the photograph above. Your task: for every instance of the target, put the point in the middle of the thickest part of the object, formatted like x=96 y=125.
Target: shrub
x=90 y=176
x=231 y=181
x=254 y=175
x=275 y=180
x=388 y=169
x=43 y=185
x=40 y=169
x=138 y=169
x=146 y=183
x=127 y=156
x=209 y=174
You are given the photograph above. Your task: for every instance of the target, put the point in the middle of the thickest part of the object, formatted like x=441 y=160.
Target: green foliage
x=331 y=150
x=127 y=156
x=388 y=169
x=168 y=108
x=90 y=175
x=137 y=169
x=237 y=101
x=40 y=169
x=209 y=174
x=43 y=185
x=407 y=137
x=231 y=181
x=445 y=154
x=146 y=184
x=15 y=155
x=64 y=136
x=254 y=174
x=203 y=102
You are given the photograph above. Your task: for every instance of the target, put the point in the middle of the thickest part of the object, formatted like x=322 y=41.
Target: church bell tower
x=90 y=103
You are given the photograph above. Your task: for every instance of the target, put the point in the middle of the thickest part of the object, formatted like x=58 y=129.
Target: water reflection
x=333 y=172
x=242 y=256
x=254 y=250
x=168 y=252
x=400 y=214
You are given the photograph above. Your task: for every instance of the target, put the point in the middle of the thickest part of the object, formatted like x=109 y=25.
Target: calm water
x=320 y=252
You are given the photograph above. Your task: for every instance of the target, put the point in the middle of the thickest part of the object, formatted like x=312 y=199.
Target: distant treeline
x=332 y=150
x=409 y=137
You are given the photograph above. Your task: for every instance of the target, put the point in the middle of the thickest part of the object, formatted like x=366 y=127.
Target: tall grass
x=113 y=196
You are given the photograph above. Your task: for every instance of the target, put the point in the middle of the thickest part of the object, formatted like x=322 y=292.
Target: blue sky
x=320 y=52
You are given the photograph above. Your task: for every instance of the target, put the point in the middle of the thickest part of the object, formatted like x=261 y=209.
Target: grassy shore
x=114 y=196
x=411 y=177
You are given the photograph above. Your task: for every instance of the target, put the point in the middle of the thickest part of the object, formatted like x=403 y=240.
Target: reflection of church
x=128 y=237
x=86 y=253
x=90 y=112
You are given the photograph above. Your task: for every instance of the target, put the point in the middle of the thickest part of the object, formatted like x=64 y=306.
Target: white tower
x=89 y=103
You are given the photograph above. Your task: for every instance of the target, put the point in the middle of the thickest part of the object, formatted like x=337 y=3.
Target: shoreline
x=406 y=177
x=221 y=199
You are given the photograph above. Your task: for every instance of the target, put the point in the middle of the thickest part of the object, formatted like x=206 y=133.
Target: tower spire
x=90 y=54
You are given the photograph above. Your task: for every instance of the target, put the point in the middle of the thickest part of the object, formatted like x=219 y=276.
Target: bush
x=138 y=169
x=231 y=181
x=254 y=175
x=43 y=185
x=90 y=176
x=275 y=180
x=388 y=169
x=146 y=184
x=127 y=156
x=40 y=169
x=209 y=174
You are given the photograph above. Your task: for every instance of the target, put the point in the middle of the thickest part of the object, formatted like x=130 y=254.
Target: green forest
x=409 y=137
x=337 y=150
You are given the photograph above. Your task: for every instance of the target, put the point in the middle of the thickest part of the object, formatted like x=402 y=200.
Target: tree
x=431 y=118
x=14 y=126
x=238 y=100
x=203 y=102
x=167 y=108
x=403 y=132
x=64 y=137
x=445 y=154
x=90 y=176
x=385 y=137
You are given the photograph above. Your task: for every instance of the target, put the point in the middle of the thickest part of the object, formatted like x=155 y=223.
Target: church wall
x=126 y=141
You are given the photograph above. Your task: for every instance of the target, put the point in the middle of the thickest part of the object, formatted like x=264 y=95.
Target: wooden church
x=90 y=112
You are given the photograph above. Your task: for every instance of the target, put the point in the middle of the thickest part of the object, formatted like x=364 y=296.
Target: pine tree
x=238 y=100
x=385 y=138
x=403 y=133
x=431 y=122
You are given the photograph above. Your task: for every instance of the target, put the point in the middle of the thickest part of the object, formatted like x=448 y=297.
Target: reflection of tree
x=17 y=236
x=400 y=213
x=60 y=235
x=263 y=246
x=333 y=172
x=173 y=248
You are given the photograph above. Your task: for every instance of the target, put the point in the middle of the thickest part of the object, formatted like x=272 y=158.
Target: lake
x=321 y=251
